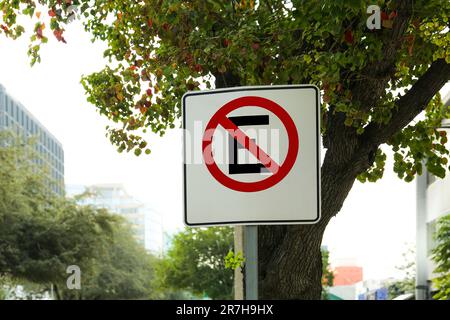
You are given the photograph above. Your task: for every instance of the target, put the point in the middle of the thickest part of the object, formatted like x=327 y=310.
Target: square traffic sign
x=252 y=156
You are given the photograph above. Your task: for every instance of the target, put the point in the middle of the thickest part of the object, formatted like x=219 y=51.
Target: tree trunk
x=57 y=293
x=290 y=260
x=284 y=273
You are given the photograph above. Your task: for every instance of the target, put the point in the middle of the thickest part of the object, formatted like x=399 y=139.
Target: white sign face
x=251 y=156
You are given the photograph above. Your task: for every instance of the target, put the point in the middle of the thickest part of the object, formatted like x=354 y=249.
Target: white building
x=145 y=221
x=348 y=292
x=433 y=202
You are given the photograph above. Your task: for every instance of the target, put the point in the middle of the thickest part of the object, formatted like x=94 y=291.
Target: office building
x=14 y=116
x=145 y=221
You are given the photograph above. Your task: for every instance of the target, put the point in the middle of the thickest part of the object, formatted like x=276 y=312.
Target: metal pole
x=421 y=237
x=251 y=262
x=239 y=290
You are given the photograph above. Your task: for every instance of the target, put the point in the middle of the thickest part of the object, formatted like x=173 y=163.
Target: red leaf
x=226 y=43
x=143 y=110
x=51 y=13
x=384 y=16
x=150 y=23
x=58 y=35
x=39 y=32
x=198 y=68
x=393 y=15
x=410 y=38
x=149 y=92
x=410 y=48
x=349 y=36
x=255 y=46
x=189 y=59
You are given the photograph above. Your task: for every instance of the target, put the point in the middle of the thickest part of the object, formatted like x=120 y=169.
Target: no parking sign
x=251 y=156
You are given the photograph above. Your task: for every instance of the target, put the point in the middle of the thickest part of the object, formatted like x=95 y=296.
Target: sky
x=373 y=229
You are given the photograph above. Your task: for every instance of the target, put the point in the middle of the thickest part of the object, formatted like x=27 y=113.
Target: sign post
x=252 y=157
x=251 y=262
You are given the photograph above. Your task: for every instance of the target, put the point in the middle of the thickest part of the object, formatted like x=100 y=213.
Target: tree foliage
x=158 y=50
x=42 y=233
x=327 y=273
x=124 y=271
x=196 y=263
x=441 y=256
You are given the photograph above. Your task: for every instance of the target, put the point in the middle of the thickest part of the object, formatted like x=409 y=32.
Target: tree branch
x=375 y=76
x=411 y=104
x=366 y=91
x=226 y=80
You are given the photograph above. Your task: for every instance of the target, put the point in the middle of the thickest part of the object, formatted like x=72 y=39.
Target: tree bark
x=290 y=263
x=57 y=293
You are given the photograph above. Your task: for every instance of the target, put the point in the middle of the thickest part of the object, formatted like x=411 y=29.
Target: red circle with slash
x=278 y=171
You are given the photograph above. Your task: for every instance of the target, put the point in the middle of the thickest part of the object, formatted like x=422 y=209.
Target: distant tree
x=4 y=287
x=408 y=283
x=441 y=256
x=196 y=262
x=327 y=273
x=125 y=270
x=42 y=233
x=21 y=289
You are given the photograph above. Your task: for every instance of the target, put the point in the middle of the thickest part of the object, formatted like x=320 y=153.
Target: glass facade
x=14 y=116
x=145 y=222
